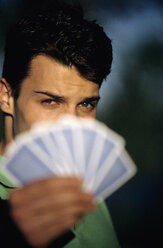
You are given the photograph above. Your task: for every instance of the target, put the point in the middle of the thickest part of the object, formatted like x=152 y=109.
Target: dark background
x=132 y=105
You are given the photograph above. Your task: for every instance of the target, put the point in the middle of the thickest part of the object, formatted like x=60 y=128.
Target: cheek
x=91 y=114
x=25 y=115
x=35 y=112
x=33 y=115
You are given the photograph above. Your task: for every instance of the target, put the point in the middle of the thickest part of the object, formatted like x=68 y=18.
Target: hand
x=45 y=209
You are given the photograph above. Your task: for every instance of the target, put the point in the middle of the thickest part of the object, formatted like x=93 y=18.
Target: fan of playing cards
x=71 y=147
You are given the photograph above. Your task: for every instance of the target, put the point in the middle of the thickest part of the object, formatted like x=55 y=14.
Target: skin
x=50 y=90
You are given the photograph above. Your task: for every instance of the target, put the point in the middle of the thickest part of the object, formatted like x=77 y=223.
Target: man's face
x=50 y=90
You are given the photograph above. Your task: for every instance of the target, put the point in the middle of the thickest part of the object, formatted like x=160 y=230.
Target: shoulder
x=95 y=230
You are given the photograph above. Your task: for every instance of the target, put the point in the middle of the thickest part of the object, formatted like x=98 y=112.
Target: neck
x=2 y=147
x=7 y=135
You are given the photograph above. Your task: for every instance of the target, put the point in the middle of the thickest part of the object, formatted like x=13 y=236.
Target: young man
x=55 y=62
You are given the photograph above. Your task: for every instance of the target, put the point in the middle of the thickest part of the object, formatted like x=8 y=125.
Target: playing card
x=63 y=150
x=71 y=146
x=24 y=167
x=41 y=145
x=120 y=172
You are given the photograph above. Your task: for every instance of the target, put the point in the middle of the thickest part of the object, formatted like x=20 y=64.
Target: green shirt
x=94 y=231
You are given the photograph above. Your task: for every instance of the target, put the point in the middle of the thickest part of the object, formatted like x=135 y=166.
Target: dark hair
x=62 y=33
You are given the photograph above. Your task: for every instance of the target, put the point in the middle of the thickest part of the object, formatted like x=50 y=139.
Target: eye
x=88 y=106
x=49 y=102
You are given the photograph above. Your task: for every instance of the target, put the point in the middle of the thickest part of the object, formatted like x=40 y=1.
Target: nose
x=71 y=110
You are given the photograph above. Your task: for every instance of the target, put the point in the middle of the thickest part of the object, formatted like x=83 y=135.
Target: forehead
x=48 y=75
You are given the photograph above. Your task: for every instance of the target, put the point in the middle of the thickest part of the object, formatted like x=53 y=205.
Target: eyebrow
x=55 y=97
x=62 y=98
x=91 y=99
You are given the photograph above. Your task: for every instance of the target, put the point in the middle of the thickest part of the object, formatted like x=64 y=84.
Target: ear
x=6 y=98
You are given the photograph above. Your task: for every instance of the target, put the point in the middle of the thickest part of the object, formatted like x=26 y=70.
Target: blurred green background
x=132 y=105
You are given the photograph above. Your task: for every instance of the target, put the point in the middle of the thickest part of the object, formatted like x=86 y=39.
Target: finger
x=48 y=233
x=58 y=200
x=43 y=187
x=70 y=202
x=37 y=222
